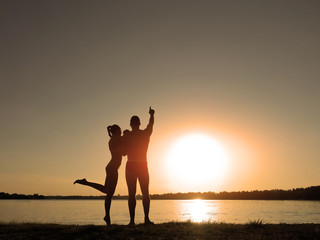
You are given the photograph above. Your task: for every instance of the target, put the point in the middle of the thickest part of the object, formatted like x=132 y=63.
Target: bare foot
x=148 y=222
x=107 y=220
x=131 y=224
x=80 y=181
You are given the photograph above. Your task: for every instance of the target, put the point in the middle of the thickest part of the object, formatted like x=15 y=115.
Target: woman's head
x=114 y=130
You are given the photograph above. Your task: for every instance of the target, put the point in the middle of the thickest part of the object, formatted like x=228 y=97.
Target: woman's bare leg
x=108 y=188
x=94 y=185
x=111 y=183
x=107 y=205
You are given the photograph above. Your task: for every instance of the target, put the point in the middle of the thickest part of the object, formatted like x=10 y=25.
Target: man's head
x=135 y=122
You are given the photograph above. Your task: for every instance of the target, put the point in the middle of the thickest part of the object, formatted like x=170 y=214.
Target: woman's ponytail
x=109 y=130
x=114 y=130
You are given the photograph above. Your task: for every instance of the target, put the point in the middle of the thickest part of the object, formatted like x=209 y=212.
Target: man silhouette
x=137 y=142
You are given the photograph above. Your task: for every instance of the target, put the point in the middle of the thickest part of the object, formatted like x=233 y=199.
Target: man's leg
x=132 y=185
x=144 y=186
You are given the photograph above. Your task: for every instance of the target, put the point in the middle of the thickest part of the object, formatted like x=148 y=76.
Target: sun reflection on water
x=199 y=211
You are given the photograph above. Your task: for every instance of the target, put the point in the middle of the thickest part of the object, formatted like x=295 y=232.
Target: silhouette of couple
x=134 y=144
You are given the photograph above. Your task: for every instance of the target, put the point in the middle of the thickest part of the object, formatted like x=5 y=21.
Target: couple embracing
x=134 y=144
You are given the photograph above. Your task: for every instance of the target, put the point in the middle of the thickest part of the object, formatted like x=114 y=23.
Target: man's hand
x=151 y=111
x=126 y=132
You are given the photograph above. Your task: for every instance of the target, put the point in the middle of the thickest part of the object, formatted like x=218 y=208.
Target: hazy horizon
x=243 y=73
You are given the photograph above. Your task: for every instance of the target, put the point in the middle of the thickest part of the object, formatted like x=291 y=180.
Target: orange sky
x=243 y=72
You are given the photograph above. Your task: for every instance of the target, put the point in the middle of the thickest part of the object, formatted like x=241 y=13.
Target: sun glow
x=197 y=159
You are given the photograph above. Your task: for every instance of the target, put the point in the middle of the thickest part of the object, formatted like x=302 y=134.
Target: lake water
x=92 y=211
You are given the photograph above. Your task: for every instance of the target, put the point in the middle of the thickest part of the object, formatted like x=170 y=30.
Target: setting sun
x=197 y=159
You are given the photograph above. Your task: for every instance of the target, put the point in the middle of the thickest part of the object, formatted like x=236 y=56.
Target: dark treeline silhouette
x=309 y=193
x=4 y=195
x=20 y=196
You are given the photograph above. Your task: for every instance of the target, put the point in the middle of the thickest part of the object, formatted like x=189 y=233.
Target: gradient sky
x=245 y=73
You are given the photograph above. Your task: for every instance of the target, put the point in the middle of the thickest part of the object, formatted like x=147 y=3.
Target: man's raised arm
x=151 y=120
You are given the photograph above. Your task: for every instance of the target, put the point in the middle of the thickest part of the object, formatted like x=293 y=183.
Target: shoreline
x=170 y=230
x=309 y=193
x=162 y=199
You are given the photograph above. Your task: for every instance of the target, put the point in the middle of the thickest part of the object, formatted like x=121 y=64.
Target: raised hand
x=151 y=111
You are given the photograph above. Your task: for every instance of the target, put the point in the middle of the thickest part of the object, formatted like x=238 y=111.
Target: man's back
x=137 y=142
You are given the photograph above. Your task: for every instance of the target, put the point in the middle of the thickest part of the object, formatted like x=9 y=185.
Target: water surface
x=92 y=211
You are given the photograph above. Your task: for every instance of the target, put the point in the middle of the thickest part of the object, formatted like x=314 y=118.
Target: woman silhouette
x=117 y=150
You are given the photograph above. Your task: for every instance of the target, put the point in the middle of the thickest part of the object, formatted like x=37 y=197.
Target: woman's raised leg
x=94 y=185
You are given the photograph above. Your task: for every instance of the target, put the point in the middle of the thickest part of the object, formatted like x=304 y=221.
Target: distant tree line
x=20 y=196
x=309 y=193
x=4 y=195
